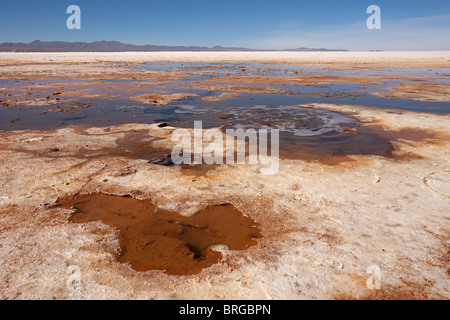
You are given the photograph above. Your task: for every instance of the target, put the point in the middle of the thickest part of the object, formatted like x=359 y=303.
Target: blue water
x=113 y=111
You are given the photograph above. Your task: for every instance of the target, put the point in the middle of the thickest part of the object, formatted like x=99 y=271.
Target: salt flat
x=420 y=59
x=324 y=225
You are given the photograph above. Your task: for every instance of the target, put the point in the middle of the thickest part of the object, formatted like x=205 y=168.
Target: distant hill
x=115 y=46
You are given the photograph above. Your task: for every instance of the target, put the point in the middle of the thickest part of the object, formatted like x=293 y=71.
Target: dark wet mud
x=154 y=239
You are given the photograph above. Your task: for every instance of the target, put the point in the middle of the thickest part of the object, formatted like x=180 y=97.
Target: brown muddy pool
x=155 y=239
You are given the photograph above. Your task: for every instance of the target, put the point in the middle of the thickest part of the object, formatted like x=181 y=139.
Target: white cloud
x=422 y=33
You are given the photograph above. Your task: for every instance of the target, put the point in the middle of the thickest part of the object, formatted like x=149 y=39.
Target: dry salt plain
x=91 y=206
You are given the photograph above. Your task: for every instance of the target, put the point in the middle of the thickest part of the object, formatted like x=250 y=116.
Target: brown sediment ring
x=427 y=181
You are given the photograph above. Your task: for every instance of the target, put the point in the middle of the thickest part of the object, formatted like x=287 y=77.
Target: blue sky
x=406 y=25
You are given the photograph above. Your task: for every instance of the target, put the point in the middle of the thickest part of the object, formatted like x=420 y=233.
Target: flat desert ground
x=353 y=224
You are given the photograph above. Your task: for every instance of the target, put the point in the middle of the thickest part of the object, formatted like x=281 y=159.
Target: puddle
x=154 y=239
x=326 y=136
x=334 y=147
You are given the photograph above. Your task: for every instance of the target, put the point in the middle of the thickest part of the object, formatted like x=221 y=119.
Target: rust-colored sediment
x=422 y=91
x=162 y=99
x=154 y=239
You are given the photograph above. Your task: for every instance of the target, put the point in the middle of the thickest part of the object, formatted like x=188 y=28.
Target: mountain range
x=115 y=46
